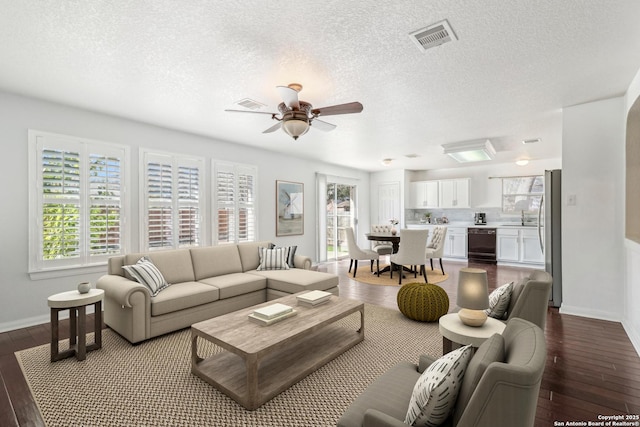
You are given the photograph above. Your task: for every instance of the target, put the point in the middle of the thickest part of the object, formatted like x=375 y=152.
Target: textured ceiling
x=515 y=65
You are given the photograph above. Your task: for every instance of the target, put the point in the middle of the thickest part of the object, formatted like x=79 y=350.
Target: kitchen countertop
x=467 y=224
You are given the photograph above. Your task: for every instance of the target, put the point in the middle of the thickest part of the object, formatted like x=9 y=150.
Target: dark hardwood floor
x=592 y=368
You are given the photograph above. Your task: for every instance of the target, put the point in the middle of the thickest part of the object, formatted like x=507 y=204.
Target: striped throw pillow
x=436 y=391
x=499 y=301
x=146 y=273
x=274 y=259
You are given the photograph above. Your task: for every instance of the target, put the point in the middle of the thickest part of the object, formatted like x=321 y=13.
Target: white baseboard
x=634 y=335
x=36 y=320
x=594 y=314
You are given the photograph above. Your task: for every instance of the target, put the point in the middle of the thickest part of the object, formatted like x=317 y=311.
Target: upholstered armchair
x=499 y=388
x=530 y=298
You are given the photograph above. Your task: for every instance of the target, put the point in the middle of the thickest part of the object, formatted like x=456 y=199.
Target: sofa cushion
x=175 y=265
x=499 y=301
x=297 y=280
x=435 y=393
x=274 y=259
x=234 y=284
x=215 y=261
x=492 y=350
x=183 y=295
x=148 y=274
x=249 y=255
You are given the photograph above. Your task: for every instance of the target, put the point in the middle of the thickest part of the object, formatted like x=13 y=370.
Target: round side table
x=453 y=330
x=77 y=304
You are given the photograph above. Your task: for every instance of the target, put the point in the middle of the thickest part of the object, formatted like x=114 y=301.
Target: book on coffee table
x=314 y=298
x=272 y=311
x=265 y=322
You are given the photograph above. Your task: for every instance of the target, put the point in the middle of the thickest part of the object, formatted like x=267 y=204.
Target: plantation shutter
x=105 y=191
x=235 y=204
x=61 y=204
x=173 y=201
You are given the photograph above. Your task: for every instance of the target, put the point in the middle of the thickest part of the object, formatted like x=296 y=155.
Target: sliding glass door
x=340 y=214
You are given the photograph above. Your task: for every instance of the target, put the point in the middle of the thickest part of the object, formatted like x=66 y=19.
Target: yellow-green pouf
x=423 y=301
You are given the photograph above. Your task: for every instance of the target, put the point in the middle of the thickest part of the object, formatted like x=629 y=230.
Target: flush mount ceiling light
x=387 y=161
x=470 y=151
x=522 y=162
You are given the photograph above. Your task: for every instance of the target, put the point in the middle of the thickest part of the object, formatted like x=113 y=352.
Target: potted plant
x=427 y=217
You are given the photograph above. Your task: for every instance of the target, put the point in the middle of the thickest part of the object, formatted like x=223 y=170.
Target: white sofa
x=204 y=282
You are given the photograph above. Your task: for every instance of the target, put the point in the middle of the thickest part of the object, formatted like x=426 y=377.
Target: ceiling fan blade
x=322 y=125
x=334 y=110
x=252 y=112
x=273 y=128
x=289 y=96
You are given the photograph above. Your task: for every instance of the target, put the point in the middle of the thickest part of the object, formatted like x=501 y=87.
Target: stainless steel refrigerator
x=552 y=206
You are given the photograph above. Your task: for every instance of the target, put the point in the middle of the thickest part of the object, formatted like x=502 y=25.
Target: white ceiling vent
x=250 y=104
x=433 y=35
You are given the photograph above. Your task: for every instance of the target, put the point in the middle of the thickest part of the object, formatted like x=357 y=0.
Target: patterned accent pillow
x=435 y=393
x=145 y=272
x=499 y=301
x=273 y=259
x=291 y=253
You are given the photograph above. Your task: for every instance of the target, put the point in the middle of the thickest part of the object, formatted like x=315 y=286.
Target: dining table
x=387 y=237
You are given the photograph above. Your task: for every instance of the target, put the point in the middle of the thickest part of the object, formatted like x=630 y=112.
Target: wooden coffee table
x=260 y=362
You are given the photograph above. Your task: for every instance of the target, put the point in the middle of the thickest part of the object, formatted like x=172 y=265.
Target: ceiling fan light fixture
x=296 y=126
x=470 y=151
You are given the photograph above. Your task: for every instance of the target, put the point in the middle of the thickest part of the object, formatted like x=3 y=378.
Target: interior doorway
x=341 y=214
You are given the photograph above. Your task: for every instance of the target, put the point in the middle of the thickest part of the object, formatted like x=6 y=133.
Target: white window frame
x=40 y=268
x=236 y=205
x=528 y=197
x=176 y=161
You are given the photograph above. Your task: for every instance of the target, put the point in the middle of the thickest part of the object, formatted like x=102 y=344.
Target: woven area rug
x=365 y=276
x=151 y=384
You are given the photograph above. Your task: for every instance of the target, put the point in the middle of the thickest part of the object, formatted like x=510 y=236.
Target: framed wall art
x=289 y=208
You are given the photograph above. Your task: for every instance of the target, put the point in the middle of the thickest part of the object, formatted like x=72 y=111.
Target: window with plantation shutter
x=173 y=200
x=234 y=202
x=77 y=202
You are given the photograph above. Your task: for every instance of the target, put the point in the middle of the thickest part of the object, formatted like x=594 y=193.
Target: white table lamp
x=473 y=296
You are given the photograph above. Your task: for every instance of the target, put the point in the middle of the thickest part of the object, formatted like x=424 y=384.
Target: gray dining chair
x=412 y=251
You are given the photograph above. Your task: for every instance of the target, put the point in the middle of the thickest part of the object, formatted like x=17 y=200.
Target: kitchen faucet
x=522 y=217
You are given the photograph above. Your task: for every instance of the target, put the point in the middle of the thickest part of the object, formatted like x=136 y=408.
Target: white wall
x=592 y=230
x=631 y=321
x=23 y=301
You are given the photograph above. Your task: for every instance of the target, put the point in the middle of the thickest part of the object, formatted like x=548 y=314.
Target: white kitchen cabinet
x=455 y=244
x=508 y=245
x=424 y=194
x=530 y=251
x=519 y=245
x=453 y=193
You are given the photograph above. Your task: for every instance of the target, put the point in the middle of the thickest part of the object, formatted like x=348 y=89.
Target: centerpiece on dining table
x=393 y=223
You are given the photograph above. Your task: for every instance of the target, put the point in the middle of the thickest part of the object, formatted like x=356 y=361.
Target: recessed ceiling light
x=387 y=161
x=522 y=162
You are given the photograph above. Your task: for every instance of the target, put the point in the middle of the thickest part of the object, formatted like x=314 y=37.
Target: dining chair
x=382 y=248
x=356 y=253
x=435 y=248
x=412 y=251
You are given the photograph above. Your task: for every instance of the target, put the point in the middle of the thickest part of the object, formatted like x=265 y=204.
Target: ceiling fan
x=298 y=116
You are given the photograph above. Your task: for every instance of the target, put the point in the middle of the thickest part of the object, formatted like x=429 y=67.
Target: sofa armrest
x=120 y=289
x=375 y=418
x=425 y=362
x=302 y=261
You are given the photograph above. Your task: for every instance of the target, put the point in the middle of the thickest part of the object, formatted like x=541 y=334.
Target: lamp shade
x=473 y=289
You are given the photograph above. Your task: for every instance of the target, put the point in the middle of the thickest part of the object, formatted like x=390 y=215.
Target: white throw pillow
x=499 y=301
x=436 y=391
x=273 y=259
x=146 y=273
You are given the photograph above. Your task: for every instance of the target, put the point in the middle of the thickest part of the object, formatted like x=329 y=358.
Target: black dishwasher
x=481 y=244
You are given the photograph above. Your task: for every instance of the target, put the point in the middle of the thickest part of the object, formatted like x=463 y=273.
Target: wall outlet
x=571 y=200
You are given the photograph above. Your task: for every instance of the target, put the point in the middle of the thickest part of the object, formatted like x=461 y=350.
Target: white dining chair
x=356 y=253
x=435 y=248
x=412 y=251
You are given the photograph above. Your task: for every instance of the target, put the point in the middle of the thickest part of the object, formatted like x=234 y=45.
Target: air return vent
x=433 y=35
x=250 y=104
